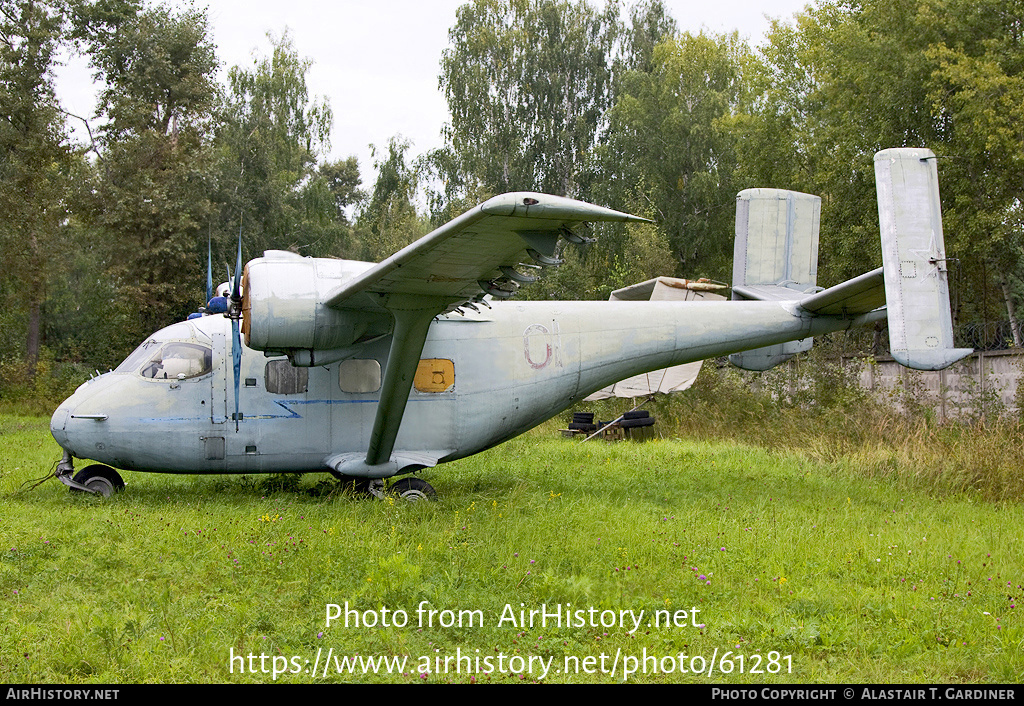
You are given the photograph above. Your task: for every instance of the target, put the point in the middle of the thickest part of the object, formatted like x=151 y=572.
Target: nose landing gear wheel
x=413 y=490
x=100 y=479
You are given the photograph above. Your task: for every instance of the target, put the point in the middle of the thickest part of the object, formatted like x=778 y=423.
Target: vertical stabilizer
x=776 y=245
x=776 y=239
x=914 y=260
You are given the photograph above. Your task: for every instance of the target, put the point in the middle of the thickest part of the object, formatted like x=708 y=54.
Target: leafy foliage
x=269 y=140
x=154 y=178
x=389 y=221
x=670 y=145
x=852 y=78
x=34 y=162
x=527 y=82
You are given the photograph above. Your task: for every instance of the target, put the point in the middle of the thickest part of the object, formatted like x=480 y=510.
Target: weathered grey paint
x=777 y=246
x=515 y=366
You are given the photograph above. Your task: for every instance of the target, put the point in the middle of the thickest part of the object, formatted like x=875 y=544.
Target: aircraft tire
x=102 y=480
x=413 y=490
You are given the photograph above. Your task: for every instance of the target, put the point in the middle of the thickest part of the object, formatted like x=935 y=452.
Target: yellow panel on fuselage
x=434 y=375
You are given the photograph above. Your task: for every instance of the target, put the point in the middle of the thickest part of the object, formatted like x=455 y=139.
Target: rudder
x=914 y=260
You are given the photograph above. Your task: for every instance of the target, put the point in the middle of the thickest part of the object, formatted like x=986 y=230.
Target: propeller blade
x=236 y=315
x=209 y=270
x=236 y=290
x=236 y=360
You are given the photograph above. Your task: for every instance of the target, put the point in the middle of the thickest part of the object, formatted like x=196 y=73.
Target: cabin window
x=359 y=376
x=434 y=375
x=179 y=361
x=283 y=378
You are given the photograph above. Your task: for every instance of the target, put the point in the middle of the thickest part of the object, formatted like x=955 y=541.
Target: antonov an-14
x=370 y=371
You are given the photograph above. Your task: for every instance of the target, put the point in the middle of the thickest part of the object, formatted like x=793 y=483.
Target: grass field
x=801 y=570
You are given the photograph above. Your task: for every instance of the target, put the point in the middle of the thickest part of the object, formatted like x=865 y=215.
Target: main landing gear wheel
x=100 y=479
x=413 y=490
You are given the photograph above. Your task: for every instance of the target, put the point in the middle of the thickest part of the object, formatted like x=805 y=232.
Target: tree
x=853 y=78
x=527 y=83
x=155 y=176
x=388 y=221
x=342 y=180
x=650 y=25
x=269 y=143
x=670 y=148
x=976 y=93
x=34 y=161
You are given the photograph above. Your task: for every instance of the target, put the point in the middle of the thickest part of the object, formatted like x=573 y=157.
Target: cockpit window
x=140 y=354
x=179 y=361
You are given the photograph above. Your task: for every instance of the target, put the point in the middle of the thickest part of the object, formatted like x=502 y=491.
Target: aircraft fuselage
x=483 y=378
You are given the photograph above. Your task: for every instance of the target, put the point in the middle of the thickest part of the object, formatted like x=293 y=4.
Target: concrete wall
x=982 y=384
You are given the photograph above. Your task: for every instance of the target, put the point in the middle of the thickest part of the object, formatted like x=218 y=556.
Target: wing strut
x=413 y=316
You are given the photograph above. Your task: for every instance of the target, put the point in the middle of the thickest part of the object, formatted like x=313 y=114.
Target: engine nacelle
x=283 y=310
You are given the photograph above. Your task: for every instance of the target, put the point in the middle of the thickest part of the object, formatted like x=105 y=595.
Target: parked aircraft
x=371 y=371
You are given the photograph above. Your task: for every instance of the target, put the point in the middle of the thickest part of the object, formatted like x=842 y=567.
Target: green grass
x=853 y=577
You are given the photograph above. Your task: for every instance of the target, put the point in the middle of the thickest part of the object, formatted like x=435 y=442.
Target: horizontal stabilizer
x=768 y=357
x=851 y=298
x=914 y=260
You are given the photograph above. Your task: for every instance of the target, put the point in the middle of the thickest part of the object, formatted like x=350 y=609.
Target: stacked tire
x=583 y=421
x=636 y=419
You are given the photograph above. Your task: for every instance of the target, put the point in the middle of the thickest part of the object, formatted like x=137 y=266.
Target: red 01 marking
x=531 y=330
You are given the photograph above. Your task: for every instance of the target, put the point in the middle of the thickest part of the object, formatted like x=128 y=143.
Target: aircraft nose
x=64 y=424
x=59 y=423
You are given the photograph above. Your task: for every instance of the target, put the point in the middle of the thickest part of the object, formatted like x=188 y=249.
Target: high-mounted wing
x=476 y=254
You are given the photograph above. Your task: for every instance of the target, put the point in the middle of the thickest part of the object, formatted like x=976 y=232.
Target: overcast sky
x=377 y=62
